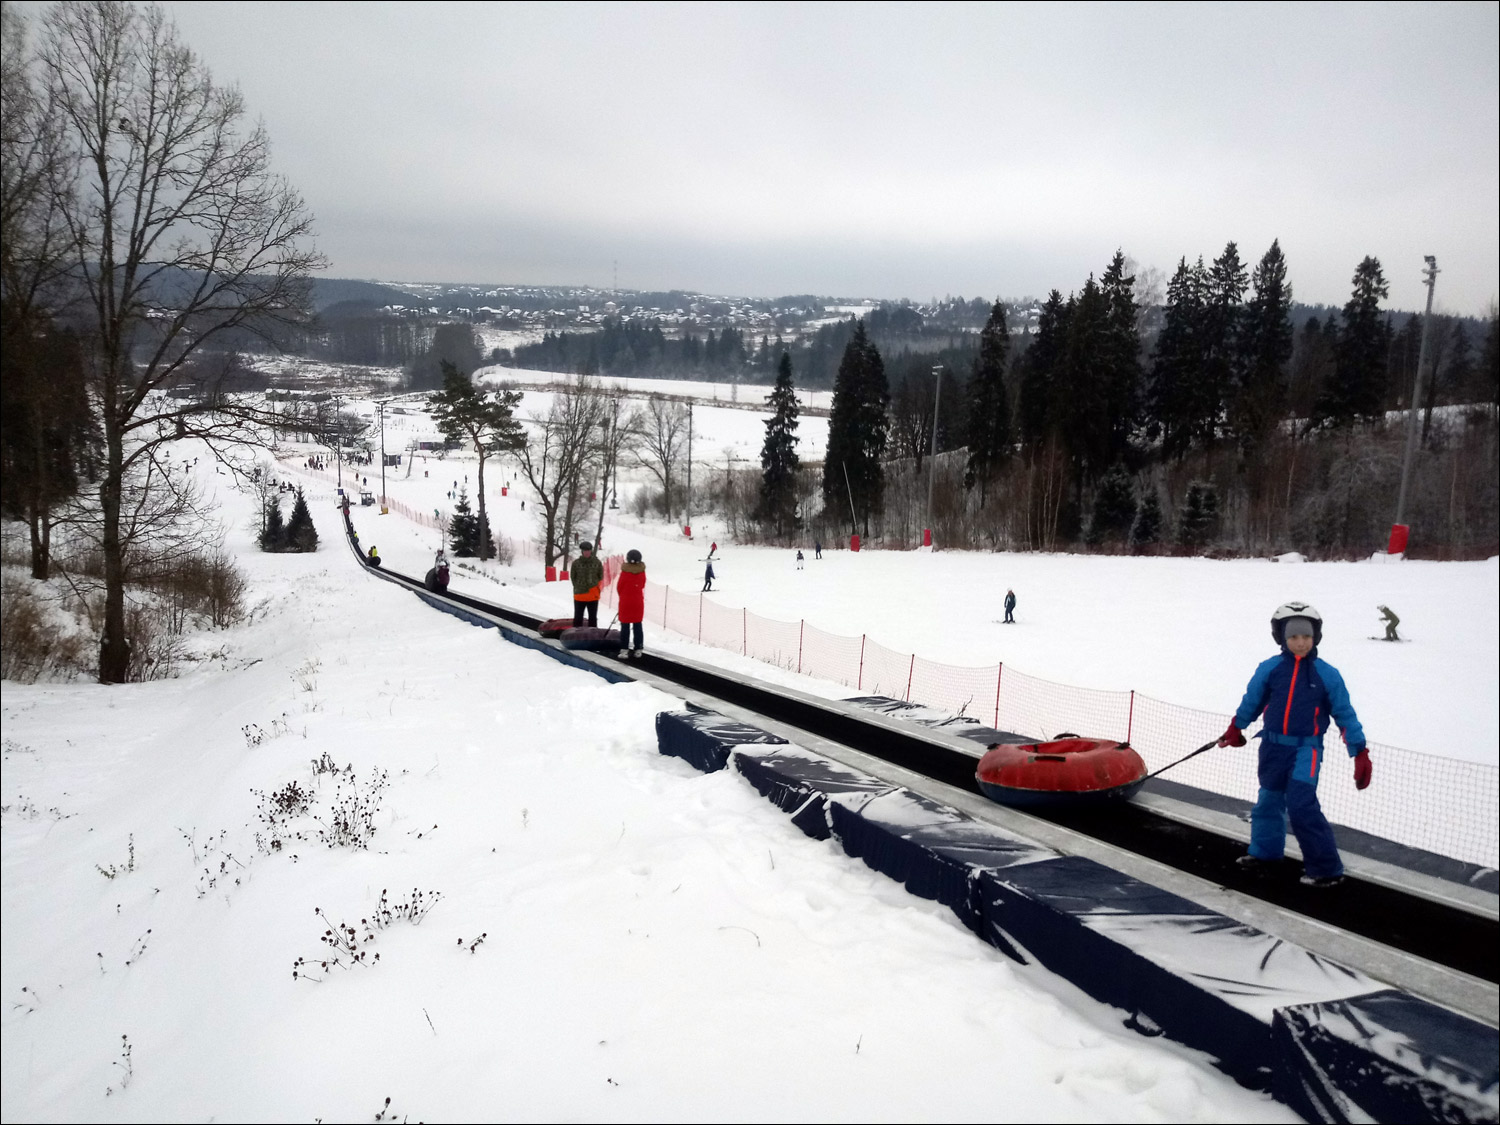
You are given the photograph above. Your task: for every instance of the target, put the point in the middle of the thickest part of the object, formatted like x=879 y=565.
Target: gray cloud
x=885 y=150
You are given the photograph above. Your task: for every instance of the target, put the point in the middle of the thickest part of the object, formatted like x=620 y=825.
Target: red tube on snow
x=1063 y=771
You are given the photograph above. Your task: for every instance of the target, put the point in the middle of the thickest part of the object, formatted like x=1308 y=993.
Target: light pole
x=338 y=438
x=688 y=502
x=937 y=401
x=1399 y=530
x=381 y=407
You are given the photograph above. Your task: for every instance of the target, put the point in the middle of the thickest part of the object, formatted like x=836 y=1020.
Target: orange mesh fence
x=1443 y=805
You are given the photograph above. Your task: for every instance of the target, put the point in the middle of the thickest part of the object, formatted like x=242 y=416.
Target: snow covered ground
x=656 y=943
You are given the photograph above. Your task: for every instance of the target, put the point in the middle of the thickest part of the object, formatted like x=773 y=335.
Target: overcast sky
x=879 y=150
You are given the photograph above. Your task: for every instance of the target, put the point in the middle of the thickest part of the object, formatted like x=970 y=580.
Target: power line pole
x=688 y=502
x=381 y=405
x=1430 y=273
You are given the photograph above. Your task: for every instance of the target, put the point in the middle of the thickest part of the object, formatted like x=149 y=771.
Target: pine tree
x=463 y=528
x=1114 y=507
x=1199 y=521
x=1147 y=529
x=1357 y=384
x=1085 y=424
x=1489 y=360
x=301 y=535
x=1172 y=406
x=778 y=455
x=273 y=527
x=1265 y=347
x=857 y=429
x=485 y=419
x=1120 y=377
x=1223 y=314
x=1038 y=411
x=989 y=407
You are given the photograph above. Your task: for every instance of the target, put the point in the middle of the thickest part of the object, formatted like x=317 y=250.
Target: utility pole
x=338 y=437
x=381 y=406
x=937 y=402
x=687 y=504
x=1399 y=531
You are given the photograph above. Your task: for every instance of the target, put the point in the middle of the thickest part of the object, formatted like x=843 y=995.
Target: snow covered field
x=1188 y=631
x=657 y=943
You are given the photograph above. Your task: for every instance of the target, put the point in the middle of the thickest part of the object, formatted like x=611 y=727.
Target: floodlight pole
x=381 y=405
x=937 y=401
x=338 y=439
x=1430 y=273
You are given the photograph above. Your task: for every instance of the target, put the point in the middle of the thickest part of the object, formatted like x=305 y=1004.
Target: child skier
x=1299 y=695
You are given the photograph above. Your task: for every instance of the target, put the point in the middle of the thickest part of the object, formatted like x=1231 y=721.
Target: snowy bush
x=350 y=944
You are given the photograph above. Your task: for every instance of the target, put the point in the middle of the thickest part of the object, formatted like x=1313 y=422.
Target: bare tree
x=183 y=240
x=44 y=416
x=557 y=460
x=661 y=427
x=618 y=436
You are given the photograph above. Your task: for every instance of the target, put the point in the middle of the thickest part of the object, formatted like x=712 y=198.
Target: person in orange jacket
x=587 y=576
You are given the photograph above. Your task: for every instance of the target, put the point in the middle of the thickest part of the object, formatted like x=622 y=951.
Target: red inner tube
x=1068 y=765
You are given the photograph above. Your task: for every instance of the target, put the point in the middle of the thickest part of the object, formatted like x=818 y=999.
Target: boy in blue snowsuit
x=1299 y=695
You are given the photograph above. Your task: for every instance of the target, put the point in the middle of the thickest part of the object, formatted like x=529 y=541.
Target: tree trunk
x=486 y=541
x=114 y=646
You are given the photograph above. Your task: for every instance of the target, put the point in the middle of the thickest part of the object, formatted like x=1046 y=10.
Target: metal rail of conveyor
x=1433 y=936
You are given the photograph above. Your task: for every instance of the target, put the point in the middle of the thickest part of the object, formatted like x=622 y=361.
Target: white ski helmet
x=1285 y=613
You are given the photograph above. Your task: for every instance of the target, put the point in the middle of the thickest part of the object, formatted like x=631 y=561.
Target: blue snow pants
x=1289 y=771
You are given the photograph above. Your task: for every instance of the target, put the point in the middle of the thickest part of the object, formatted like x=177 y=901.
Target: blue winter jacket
x=1300 y=697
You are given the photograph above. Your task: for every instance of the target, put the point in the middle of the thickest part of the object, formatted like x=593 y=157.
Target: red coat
x=631 y=590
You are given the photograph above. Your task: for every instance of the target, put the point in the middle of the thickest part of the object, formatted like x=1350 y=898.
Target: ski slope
x=657 y=943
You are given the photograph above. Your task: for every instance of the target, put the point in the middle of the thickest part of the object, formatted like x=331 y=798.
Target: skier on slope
x=1299 y=695
x=708 y=577
x=1010 y=607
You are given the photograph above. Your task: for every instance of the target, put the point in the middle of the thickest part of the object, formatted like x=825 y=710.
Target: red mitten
x=1232 y=737
x=1362 y=769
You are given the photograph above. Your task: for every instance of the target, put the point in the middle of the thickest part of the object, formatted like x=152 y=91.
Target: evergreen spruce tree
x=989 y=407
x=1147 y=529
x=1114 y=507
x=1085 y=424
x=1172 y=402
x=778 y=454
x=1038 y=411
x=1120 y=354
x=301 y=535
x=1199 y=521
x=1489 y=360
x=1265 y=348
x=463 y=528
x=273 y=527
x=485 y=419
x=857 y=429
x=1223 y=314
x=1356 y=386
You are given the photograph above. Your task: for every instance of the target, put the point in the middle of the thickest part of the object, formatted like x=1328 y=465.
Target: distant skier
x=1010 y=607
x=817 y=548
x=799 y=558
x=587 y=576
x=708 y=577
x=712 y=547
x=1391 y=621
x=630 y=591
x=1298 y=694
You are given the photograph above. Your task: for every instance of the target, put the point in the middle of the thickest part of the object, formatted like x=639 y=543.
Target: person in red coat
x=630 y=589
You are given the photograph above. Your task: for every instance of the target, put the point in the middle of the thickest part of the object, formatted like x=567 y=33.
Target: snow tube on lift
x=1065 y=771
x=555 y=626
x=588 y=638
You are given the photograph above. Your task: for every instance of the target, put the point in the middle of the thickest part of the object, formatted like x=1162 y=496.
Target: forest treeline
x=1231 y=432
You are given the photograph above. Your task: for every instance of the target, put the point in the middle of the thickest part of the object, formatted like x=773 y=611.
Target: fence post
x=909 y=672
x=999 y=675
x=1130 y=722
x=801 y=628
x=700 y=618
x=744 y=631
x=860 y=685
x=666 y=596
